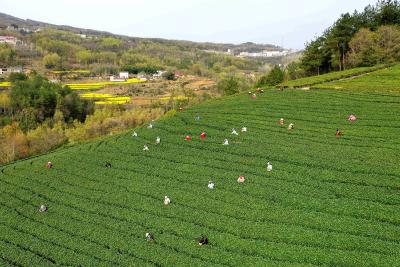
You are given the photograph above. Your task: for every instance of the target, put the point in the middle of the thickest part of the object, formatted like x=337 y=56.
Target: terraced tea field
x=328 y=201
x=385 y=80
x=331 y=76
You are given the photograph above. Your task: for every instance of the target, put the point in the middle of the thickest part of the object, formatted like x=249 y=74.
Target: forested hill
x=7 y=20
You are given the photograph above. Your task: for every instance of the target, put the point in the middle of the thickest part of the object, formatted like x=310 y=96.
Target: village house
x=10 y=40
x=179 y=74
x=158 y=74
x=7 y=71
x=12 y=27
x=123 y=76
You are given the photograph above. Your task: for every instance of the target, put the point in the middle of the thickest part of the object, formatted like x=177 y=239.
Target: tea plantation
x=327 y=202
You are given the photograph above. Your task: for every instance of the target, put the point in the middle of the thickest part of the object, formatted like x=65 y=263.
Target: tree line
x=358 y=39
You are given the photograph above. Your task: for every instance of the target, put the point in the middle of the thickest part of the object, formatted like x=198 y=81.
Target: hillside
x=328 y=200
x=7 y=20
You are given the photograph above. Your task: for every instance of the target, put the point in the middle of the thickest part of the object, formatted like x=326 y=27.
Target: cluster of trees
x=368 y=48
x=342 y=45
x=7 y=55
x=34 y=100
x=137 y=68
x=232 y=84
x=272 y=78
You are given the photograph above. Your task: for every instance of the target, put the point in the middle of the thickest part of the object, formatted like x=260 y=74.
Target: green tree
x=329 y=51
x=294 y=71
x=84 y=57
x=37 y=93
x=388 y=12
x=364 y=49
x=7 y=55
x=51 y=61
x=36 y=99
x=169 y=75
x=389 y=43
x=369 y=48
x=110 y=43
x=274 y=77
x=74 y=108
x=17 y=76
x=229 y=85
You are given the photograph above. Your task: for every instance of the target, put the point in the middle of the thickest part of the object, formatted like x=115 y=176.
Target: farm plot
x=106 y=99
x=328 y=201
x=386 y=80
x=99 y=85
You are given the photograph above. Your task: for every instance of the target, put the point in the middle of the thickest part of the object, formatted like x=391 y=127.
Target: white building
x=266 y=53
x=123 y=76
x=158 y=74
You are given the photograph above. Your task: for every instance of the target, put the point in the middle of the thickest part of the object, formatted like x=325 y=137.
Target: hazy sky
x=287 y=22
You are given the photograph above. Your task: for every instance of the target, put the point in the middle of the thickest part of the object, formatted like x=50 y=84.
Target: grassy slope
x=328 y=201
x=332 y=76
x=382 y=80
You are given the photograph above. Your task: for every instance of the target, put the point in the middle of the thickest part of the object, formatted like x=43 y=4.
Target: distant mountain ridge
x=8 y=20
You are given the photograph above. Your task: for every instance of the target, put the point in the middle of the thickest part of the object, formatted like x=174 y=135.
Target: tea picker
x=352 y=118
x=167 y=200
x=269 y=167
x=43 y=208
x=149 y=237
x=240 y=180
x=203 y=240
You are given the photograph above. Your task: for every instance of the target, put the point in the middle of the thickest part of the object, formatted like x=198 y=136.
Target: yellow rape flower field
x=5 y=84
x=106 y=99
x=92 y=86
x=95 y=95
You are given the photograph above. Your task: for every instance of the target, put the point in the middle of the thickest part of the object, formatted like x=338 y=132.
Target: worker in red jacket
x=203 y=135
x=188 y=138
